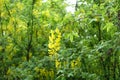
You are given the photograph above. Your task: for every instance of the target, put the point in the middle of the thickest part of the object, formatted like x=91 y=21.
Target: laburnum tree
x=40 y=40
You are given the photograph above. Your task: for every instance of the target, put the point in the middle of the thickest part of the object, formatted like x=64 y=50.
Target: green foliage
x=84 y=45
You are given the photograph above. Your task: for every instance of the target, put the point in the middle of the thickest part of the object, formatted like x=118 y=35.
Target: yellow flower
x=57 y=40
x=59 y=35
x=9 y=47
x=43 y=71
x=36 y=13
x=51 y=52
x=57 y=30
x=57 y=64
x=57 y=48
x=46 y=13
x=21 y=26
x=10 y=26
x=51 y=39
x=51 y=73
x=38 y=3
x=75 y=63
x=50 y=45
x=4 y=14
x=52 y=35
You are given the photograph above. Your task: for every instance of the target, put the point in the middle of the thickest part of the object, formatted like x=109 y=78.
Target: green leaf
x=71 y=38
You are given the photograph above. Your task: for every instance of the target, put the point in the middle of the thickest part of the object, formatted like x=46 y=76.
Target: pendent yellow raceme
x=54 y=41
x=54 y=46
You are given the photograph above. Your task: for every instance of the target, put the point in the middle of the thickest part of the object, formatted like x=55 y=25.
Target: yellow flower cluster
x=57 y=64
x=46 y=13
x=9 y=47
x=54 y=41
x=75 y=63
x=20 y=6
x=10 y=26
x=38 y=3
x=54 y=45
x=45 y=73
x=21 y=26
x=36 y=13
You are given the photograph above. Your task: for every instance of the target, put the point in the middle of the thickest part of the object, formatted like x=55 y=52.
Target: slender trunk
x=30 y=32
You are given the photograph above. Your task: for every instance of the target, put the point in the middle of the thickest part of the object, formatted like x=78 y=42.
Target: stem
x=99 y=32
x=76 y=6
x=99 y=27
x=7 y=10
x=118 y=19
x=114 y=67
x=108 y=68
x=102 y=62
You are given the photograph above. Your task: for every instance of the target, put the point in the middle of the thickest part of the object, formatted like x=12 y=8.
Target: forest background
x=40 y=40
